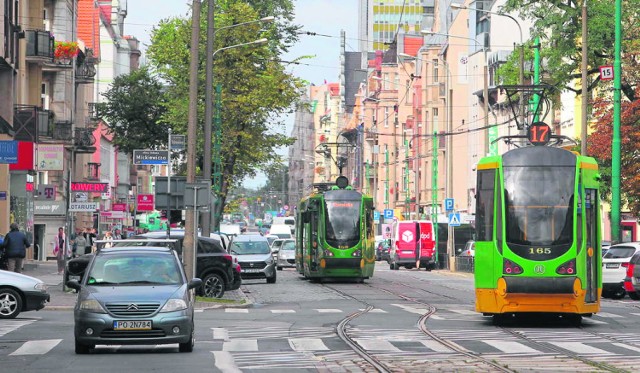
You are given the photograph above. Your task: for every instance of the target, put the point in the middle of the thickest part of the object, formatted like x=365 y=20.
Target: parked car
x=614 y=268
x=255 y=258
x=632 y=280
x=604 y=246
x=21 y=293
x=275 y=246
x=134 y=295
x=469 y=249
x=270 y=238
x=218 y=269
x=286 y=254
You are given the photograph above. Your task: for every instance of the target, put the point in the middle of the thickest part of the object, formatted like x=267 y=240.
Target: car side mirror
x=195 y=283
x=74 y=284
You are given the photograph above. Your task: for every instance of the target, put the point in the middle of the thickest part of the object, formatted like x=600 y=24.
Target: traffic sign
x=448 y=204
x=147 y=157
x=177 y=142
x=454 y=220
x=376 y=216
x=606 y=72
x=388 y=213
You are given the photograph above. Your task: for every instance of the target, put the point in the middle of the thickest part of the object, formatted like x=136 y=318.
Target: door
x=38 y=238
x=592 y=242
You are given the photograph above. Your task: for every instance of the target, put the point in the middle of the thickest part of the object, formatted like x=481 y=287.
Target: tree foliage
x=558 y=23
x=134 y=111
x=599 y=146
x=256 y=90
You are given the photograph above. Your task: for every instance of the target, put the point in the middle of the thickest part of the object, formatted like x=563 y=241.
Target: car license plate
x=613 y=265
x=132 y=325
x=407 y=252
x=251 y=270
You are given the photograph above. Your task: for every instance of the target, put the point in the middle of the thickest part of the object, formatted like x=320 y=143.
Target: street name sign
x=83 y=206
x=150 y=157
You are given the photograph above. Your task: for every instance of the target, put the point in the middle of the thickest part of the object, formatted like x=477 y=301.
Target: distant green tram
x=538 y=234
x=335 y=234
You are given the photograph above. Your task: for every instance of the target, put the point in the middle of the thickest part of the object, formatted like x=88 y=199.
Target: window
x=434 y=111
x=386 y=117
x=434 y=63
x=484 y=205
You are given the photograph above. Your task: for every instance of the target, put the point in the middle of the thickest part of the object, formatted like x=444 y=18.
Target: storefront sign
x=50 y=157
x=89 y=187
x=49 y=207
x=145 y=202
x=8 y=152
x=119 y=207
x=84 y=206
x=112 y=214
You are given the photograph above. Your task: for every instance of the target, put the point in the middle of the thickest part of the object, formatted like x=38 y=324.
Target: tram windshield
x=539 y=206
x=342 y=223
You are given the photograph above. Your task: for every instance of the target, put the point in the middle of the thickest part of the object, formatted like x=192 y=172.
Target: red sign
x=26 y=157
x=28 y=187
x=119 y=207
x=606 y=72
x=90 y=187
x=145 y=202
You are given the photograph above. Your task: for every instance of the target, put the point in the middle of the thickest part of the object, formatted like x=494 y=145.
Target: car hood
x=13 y=278
x=253 y=257
x=146 y=293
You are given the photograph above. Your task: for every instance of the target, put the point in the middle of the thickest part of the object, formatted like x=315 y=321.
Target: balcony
x=84 y=141
x=85 y=67
x=30 y=122
x=40 y=46
x=92 y=118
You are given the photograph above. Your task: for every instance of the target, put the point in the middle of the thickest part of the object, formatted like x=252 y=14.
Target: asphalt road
x=381 y=325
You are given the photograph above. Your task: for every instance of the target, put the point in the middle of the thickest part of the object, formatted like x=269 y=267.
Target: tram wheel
x=498 y=319
x=573 y=319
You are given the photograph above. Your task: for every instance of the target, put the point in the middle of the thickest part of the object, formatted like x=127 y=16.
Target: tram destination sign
x=150 y=157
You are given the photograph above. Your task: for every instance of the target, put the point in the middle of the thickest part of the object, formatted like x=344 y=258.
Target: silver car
x=134 y=295
x=254 y=256
x=20 y=293
x=286 y=254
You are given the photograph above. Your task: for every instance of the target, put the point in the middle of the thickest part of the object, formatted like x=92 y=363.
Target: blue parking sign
x=448 y=204
x=376 y=216
x=388 y=213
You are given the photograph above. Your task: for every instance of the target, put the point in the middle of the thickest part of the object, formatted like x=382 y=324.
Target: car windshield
x=620 y=252
x=289 y=245
x=250 y=247
x=134 y=269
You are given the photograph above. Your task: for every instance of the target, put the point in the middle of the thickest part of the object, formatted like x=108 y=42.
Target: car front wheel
x=213 y=286
x=187 y=346
x=633 y=295
x=10 y=303
x=272 y=279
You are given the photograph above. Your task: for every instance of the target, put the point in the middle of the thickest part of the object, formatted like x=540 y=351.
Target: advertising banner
x=119 y=207
x=50 y=157
x=8 y=152
x=145 y=202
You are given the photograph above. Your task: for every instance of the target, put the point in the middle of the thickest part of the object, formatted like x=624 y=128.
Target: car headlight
x=269 y=261
x=174 y=305
x=91 y=305
x=41 y=286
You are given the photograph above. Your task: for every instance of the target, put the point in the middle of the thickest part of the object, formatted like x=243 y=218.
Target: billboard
x=50 y=157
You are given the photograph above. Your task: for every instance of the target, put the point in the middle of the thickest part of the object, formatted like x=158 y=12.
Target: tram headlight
x=568 y=268
x=328 y=252
x=357 y=253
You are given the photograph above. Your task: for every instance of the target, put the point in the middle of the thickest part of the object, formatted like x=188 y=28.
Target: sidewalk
x=66 y=300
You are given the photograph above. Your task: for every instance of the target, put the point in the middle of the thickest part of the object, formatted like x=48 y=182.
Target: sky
x=327 y=17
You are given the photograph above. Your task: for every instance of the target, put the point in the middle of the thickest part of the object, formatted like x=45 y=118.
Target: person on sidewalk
x=109 y=238
x=89 y=236
x=15 y=245
x=80 y=242
x=60 y=249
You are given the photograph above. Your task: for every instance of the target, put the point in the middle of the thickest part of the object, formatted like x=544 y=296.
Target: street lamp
x=208 y=117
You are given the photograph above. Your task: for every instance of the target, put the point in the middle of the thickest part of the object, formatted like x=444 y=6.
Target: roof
x=136 y=249
x=89 y=25
x=412 y=44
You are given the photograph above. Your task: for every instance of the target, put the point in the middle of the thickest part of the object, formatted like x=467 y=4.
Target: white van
x=281 y=230
x=288 y=220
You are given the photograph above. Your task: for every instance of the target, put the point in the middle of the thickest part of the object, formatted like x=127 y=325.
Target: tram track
x=422 y=326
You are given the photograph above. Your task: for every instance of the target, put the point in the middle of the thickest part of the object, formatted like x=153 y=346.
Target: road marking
x=220 y=333
x=464 y=312
x=36 y=347
x=607 y=314
x=580 y=348
x=592 y=321
x=436 y=346
x=510 y=347
x=628 y=347
x=7 y=326
x=224 y=362
x=307 y=344
x=283 y=311
x=634 y=313
x=241 y=345
x=198 y=310
x=419 y=311
x=375 y=310
x=377 y=345
x=236 y=310
x=328 y=310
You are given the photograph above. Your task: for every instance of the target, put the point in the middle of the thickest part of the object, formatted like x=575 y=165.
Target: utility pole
x=188 y=253
x=585 y=66
x=208 y=110
x=407 y=196
x=615 y=145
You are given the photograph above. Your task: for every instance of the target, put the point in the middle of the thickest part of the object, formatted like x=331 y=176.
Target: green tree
x=256 y=89
x=133 y=111
x=559 y=26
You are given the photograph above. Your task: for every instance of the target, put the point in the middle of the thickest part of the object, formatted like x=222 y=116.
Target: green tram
x=538 y=234
x=335 y=233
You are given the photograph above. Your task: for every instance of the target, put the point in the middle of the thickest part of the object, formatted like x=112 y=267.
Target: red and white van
x=412 y=245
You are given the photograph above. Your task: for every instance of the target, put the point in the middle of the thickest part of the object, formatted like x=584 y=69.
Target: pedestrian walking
x=109 y=238
x=60 y=249
x=15 y=245
x=80 y=242
x=89 y=236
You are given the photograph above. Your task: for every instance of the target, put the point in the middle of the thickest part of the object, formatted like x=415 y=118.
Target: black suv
x=218 y=269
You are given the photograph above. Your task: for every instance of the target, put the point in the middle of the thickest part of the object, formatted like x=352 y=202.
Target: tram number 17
x=539 y=250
